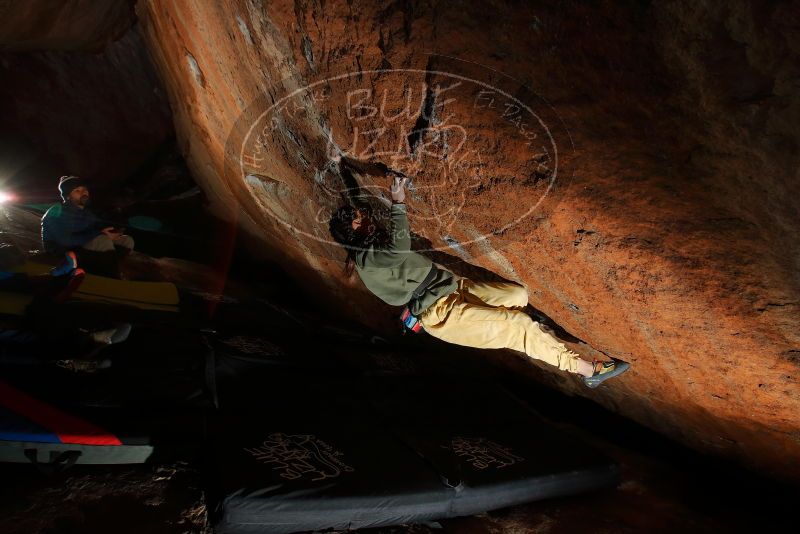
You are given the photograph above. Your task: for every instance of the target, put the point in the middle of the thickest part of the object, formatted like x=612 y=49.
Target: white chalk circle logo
x=450 y=134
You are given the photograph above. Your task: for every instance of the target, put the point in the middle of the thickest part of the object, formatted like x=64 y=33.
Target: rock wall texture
x=63 y=24
x=635 y=166
x=99 y=115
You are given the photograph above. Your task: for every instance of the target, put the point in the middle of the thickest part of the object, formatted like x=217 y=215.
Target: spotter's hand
x=112 y=233
x=399 y=189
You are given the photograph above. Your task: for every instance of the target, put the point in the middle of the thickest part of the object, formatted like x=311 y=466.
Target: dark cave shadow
x=357 y=195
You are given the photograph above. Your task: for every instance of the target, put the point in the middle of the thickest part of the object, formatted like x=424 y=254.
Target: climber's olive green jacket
x=394 y=271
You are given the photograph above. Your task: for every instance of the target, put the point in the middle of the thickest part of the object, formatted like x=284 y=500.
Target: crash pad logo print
x=482 y=453
x=300 y=456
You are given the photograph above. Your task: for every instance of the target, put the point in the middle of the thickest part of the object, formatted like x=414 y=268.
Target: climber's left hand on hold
x=399 y=189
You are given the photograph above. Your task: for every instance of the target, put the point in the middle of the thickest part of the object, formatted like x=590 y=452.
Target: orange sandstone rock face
x=634 y=167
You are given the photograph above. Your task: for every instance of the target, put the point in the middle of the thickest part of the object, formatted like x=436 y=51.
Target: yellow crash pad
x=160 y=296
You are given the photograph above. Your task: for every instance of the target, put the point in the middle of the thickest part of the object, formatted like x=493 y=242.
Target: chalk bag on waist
x=410 y=321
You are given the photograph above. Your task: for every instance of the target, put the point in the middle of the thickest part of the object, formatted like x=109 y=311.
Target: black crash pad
x=306 y=453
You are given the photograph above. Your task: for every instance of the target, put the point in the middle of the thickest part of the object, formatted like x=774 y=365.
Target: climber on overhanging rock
x=454 y=309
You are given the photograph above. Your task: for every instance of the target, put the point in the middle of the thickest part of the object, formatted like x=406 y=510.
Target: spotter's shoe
x=604 y=371
x=69 y=264
x=118 y=334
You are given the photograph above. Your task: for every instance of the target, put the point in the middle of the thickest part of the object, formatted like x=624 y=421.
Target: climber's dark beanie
x=67 y=183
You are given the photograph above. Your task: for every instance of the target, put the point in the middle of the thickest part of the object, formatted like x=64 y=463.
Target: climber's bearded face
x=362 y=223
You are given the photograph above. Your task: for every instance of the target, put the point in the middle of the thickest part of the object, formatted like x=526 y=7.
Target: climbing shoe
x=605 y=370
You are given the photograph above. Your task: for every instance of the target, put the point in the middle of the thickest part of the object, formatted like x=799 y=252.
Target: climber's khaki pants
x=483 y=315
